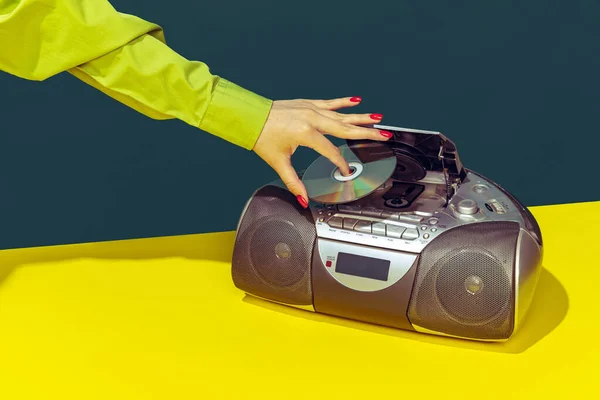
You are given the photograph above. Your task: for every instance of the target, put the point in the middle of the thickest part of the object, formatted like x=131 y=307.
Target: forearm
x=150 y=77
x=126 y=58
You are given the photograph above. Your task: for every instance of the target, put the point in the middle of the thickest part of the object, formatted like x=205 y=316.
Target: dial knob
x=467 y=207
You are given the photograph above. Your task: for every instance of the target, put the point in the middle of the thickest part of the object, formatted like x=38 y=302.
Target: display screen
x=365 y=267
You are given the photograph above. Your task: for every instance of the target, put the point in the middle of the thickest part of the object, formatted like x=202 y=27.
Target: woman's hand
x=294 y=123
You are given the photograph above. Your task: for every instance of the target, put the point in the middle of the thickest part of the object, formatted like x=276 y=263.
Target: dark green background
x=514 y=83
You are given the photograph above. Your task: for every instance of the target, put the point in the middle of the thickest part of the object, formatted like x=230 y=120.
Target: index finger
x=323 y=146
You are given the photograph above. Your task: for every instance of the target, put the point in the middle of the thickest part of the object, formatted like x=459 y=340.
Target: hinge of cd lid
x=441 y=154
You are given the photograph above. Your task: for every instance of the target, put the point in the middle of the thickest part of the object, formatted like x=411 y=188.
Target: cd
x=371 y=164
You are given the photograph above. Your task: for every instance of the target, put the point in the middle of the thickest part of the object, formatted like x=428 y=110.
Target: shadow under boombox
x=548 y=309
x=430 y=247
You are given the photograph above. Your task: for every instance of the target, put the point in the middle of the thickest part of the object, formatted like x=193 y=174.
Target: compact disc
x=371 y=164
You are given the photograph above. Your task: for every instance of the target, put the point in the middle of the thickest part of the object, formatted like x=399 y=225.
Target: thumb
x=290 y=179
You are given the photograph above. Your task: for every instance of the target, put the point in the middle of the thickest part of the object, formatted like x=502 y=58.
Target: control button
x=349 y=209
x=390 y=215
x=467 y=207
x=363 y=226
x=371 y=212
x=424 y=228
x=395 y=231
x=480 y=188
x=433 y=229
x=379 y=228
x=410 y=218
x=426 y=236
x=321 y=219
x=335 y=222
x=349 y=223
x=328 y=263
x=497 y=207
x=410 y=234
x=433 y=221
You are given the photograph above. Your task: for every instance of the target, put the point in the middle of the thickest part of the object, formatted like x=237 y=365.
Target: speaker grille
x=467 y=290
x=273 y=250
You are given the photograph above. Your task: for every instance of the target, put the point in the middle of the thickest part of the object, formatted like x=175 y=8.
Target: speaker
x=470 y=277
x=273 y=251
x=467 y=290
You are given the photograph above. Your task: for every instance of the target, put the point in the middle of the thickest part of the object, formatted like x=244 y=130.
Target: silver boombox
x=410 y=240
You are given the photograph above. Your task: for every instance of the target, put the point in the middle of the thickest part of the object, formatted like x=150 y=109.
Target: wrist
x=236 y=114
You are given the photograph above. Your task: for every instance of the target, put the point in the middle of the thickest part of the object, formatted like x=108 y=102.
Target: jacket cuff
x=235 y=114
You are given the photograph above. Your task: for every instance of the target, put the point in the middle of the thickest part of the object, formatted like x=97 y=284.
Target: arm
x=128 y=59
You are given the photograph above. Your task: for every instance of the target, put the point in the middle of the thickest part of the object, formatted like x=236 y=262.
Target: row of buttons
x=375 y=228
x=378 y=213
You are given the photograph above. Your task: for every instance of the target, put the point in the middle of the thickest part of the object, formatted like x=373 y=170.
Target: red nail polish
x=356 y=99
x=376 y=116
x=301 y=200
x=386 y=134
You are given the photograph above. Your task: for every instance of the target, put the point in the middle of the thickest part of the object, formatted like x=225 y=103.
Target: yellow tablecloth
x=160 y=319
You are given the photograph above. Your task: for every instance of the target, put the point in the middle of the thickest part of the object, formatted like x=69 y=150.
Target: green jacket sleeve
x=128 y=59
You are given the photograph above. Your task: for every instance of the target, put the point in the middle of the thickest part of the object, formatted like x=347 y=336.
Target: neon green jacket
x=128 y=59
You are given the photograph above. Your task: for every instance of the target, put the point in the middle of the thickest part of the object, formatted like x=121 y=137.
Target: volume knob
x=467 y=207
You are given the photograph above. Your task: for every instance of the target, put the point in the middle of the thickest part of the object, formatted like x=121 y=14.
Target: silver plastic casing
x=474 y=199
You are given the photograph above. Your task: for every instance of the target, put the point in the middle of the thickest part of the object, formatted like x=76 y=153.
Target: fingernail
x=376 y=116
x=356 y=99
x=386 y=134
x=301 y=200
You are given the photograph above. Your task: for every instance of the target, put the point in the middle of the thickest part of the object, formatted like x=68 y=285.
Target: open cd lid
x=433 y=150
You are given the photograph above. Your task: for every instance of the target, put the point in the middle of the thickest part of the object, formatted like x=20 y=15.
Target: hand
x=293 y=123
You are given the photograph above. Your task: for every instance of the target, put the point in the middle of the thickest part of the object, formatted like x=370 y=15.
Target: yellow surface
x=160 y=319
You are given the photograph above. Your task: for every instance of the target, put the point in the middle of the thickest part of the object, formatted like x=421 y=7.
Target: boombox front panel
x=464 y=284
x=273 y=250
x=341 y=298
x=467 y=269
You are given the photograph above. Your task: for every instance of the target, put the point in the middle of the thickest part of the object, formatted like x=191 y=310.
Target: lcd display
x=365 y=267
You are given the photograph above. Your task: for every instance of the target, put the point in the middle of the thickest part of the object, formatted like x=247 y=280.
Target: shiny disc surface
x=371 y=164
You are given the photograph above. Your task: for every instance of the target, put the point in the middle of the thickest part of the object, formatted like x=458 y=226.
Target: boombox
x=410 y=240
